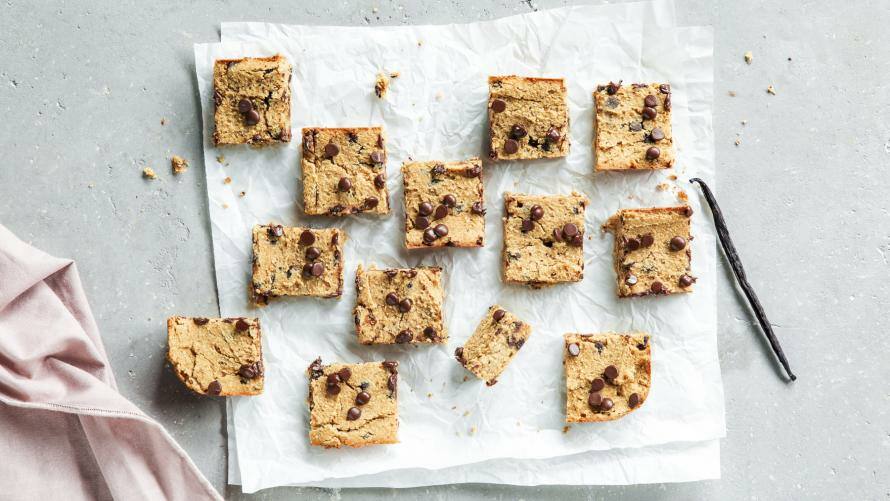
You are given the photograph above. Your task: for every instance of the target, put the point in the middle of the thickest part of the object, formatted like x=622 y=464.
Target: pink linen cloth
x=64 y=428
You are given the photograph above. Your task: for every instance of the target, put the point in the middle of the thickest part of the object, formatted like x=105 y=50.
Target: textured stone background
x=84 y=87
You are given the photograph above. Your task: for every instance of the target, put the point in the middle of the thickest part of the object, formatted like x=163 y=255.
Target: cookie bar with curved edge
x=353 y=405
x=296 y=262
x=632 y=127
x=543 y=238
x=528 y=118
x=399 y=306
x=491 y=348
x=444 y=204
x=652 y=251
x=252 y=98
x=216 y=356
x=607 y=375
x=344 y=171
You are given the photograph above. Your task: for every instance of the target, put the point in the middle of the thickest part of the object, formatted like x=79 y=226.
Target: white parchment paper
x=436 y=110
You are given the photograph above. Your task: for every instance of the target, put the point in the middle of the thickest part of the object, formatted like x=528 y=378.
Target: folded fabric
x=64 y=428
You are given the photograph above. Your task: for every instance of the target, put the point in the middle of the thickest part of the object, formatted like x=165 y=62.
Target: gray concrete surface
x=84 y=87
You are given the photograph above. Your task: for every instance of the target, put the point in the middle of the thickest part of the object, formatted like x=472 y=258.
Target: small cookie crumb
x=738 y=141
x=749 y=56
x=163 y=121
x=149 y=173
x=225 y=206
x=227 y=180
x=744 y=122
x=179 y=164
x=672 y=177
x=565 y=429
x=429 y=395
x=221 y=158
x=472 y=430
x=242 y=194
x=381 y=85
x=731 y=93
x=91 y=186
x=771 y=90
x=662 y=187
x=394 y=74
x=466 y=413
x=682 y=196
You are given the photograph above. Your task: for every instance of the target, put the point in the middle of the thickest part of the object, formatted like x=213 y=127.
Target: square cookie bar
x=353 y=405
x=543 y=238
x=607 y=375
x=344 y=171
x=444 y=204
x=492 y=347
x=216 y=356
x=252 y=98
x=528 y=118
x=632 y=127
x=297 y=262
x=398 y=306
x=651 y=251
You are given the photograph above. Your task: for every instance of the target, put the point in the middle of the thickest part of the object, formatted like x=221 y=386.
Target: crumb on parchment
x=381 y=85
x=227 y=180
x=771 y=90
x=749 y=57
x=221 y=159
x=179 y=164
x=149 y=173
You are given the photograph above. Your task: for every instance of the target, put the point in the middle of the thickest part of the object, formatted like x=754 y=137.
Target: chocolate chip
x=649 y=113
x=441 y=230
x=630 y=280
x=557 y=234
x=438 y=170
x=667 y=103
x=498 y=106
x=527 y=225
x=613 y=87
x=333 y=379
x=252 y=117
x=391 y=365
x=392 y=299
x=594 y=399
x=665 y=88
x=201 y=321
x=687 y=211
x=379 y=181
x=307 y=238
x=686 y=280
x=344 y=184
x=678 y=243
x=597 y=385
x=421 y=222
x=404 y=336
x=312 y=253
x=371 y=202
x=377 y=157
x=331 y=150
x=344 y=374
x=477 y=208
x=241 y=325
x=635 y=126
x=473 y=171
x=606 y=404
x=576 y=241
x=610 y=372
x=429 y=332
x=244 y=105
x=405 y=305
x=459 y=354
x=307 y=270
x=537 y=212
x=449 y=200
x=574 y=349
x=393 y=382
x=656 y=287
x=553 y=135
x=498 y=315
x=317 y=269
x=315 y=368
x=275 y=231
x=425 y=209
x=650 y=101
x=441 y=211
x=332 y=389
x=657 y=134
x=214 y=388
x=511 y=146
x=632 y=244
x=429 y=236
x=248 y=371
x=633 y=400
x=647 y=240
x=569 y=230
x=518 y=132
x=362 y=398
x=353 y=413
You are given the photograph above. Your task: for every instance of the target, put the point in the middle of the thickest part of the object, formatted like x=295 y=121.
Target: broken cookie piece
x=491 y=348
x=179 y=164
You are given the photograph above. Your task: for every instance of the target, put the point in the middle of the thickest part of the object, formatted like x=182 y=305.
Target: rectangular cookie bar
x=216 y=356
x=344 y=171
x=528 y=118
x=444 y=204
x=607 y=375
x=297 y=262
x=651 y=253
x=543 y=238
x=252 y=98
x=632 y=127
x=398 y=306
x=492 y=347
x=353 y=405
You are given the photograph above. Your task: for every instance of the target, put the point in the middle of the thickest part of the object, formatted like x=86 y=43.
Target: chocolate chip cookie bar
x=252 y=98
x=632 y=127
x=444 y=204
x=353 y=405
x=528 y=118
x=492 y=347
x=297 y=262
x=398 y=306
x=607 y=375
x=543 y=238
x=344 y=171
x=216 y=356
x=652 y=254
